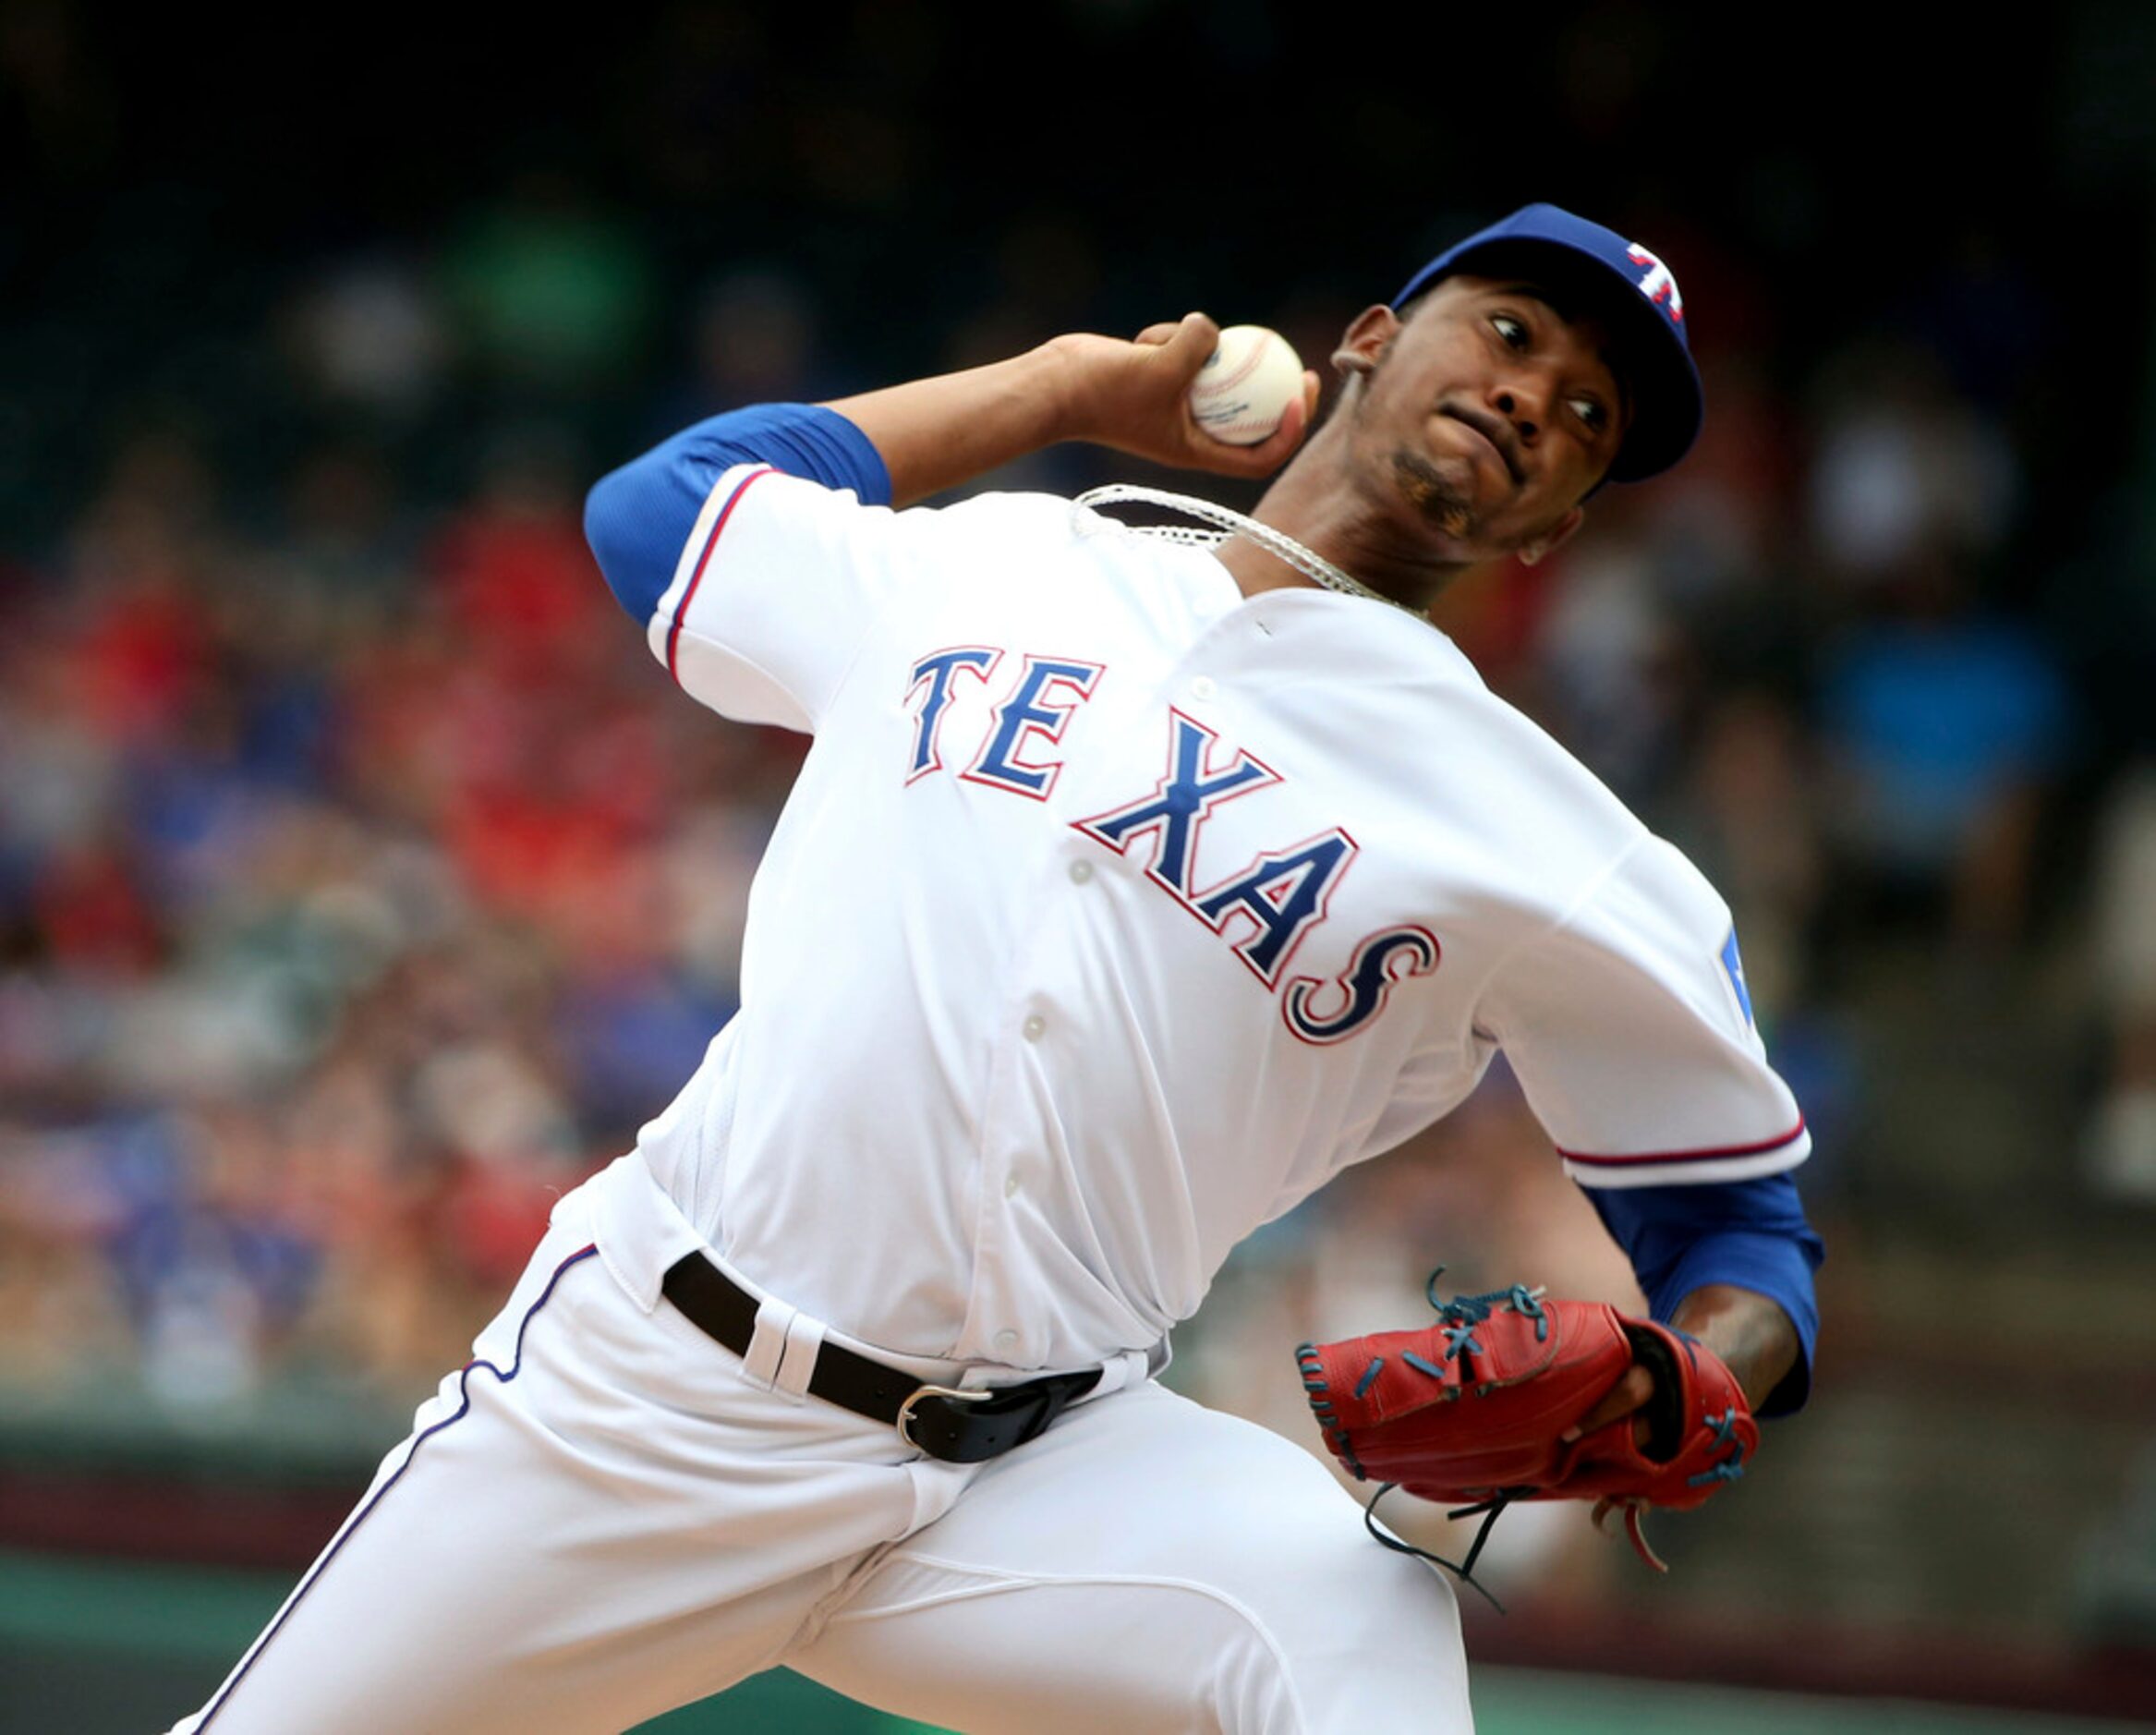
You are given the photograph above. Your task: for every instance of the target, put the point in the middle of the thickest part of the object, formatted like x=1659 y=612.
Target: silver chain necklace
x=1281 y=546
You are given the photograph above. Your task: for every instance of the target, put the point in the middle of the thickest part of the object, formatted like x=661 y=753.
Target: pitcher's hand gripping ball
x=1474 y=1410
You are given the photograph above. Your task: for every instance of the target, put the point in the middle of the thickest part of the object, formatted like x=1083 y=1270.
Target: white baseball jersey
x=1112 y=914
x=1122 y=911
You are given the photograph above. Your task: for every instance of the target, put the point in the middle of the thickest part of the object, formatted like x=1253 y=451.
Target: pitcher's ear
x=1364 y=343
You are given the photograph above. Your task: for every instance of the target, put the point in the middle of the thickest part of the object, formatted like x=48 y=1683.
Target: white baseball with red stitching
x=1246 y=386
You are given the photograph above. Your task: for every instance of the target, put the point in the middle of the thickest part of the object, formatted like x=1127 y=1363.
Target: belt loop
x=798 y=1362
x=1129 y=1368
x=767 y=1345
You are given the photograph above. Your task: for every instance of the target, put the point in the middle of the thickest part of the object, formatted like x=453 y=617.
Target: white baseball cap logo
x=1659 y=284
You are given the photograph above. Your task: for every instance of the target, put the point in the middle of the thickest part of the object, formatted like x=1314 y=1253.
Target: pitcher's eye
x=1513 y=331
x=1590 y=411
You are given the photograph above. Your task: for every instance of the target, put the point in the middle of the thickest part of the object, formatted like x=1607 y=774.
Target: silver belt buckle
x=905 y=1417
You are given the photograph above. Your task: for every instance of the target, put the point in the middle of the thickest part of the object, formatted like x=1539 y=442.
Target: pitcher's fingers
x=1195 y=339
x=1631 y=1393
x=1189 y=341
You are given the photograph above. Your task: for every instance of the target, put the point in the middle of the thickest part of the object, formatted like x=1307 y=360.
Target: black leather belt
x=961 y=1428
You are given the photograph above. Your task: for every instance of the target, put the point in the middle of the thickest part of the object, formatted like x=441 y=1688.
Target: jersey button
x=1202 y=688
x=1006 y=1340
x=1009 y=1187
x=1031 y=1029
x=1081 y=871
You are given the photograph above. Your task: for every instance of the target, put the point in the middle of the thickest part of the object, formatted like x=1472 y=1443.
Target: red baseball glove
x=1472 y=1410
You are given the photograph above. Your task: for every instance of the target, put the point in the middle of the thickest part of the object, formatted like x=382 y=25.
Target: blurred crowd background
x=363 y=883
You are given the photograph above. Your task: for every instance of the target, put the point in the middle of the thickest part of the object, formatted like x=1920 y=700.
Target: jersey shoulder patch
x=1733 y=966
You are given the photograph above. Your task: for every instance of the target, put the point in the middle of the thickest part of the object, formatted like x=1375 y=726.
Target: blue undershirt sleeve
x=637 y=518
x=1750 y=1233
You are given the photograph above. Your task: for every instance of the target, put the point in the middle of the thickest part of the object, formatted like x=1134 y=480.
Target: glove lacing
x=1461 y=1570
x=1461 y=1316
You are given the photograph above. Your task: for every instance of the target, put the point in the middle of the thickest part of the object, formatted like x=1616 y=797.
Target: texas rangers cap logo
x=1659 y=284
x=1645 y=306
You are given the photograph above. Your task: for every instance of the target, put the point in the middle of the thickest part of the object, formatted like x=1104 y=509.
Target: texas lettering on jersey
x=1272 y=901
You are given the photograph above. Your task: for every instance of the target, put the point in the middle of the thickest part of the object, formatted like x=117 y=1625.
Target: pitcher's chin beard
x=1438 y=499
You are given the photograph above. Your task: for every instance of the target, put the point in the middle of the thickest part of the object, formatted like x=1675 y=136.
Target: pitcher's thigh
x=549 y=1554
x=1151 y=1565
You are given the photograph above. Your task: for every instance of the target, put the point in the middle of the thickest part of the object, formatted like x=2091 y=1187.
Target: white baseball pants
x=603 y=1518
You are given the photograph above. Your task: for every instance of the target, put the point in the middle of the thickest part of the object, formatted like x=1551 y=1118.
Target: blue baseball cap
x=1643 y=301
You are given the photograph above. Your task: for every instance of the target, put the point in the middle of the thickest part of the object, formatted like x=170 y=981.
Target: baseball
x=1246 y=386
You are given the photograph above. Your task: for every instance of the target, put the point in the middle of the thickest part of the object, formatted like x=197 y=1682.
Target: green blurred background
x=362 y=883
